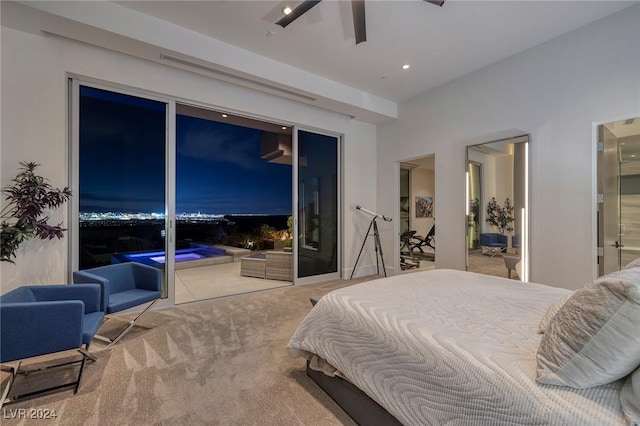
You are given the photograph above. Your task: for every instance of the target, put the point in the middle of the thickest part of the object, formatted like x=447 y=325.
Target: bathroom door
x=618 y=194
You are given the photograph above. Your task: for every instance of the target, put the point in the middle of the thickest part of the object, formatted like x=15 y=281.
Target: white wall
x=555 y=92
x=34 y=116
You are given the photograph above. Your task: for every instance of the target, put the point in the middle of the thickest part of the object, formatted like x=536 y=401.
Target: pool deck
x=232 y=254
x=236 y=252
x=205 y=261
x=207 y=282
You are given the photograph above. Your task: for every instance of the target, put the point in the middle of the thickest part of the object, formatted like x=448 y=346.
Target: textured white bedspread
x=448 y=347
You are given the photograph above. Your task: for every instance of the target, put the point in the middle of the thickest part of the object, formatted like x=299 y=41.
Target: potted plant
x=23 y=217
x=500 y=216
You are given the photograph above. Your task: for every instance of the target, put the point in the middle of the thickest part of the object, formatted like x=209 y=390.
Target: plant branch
x=27 y=199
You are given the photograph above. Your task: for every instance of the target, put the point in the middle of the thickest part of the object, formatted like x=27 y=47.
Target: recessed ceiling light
x=287 y=10
x=284 y=127
x=224 y=115
x=406 y=66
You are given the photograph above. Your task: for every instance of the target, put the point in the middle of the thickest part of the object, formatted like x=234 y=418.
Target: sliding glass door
x=120 y=192
x=246 y=188
x=317 y=206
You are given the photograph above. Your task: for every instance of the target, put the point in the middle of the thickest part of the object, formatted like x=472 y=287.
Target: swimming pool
x=197 y=255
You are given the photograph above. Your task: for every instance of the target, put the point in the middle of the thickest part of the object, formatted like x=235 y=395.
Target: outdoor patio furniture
x=272 y=265
x=279 y=266
x=253 y=266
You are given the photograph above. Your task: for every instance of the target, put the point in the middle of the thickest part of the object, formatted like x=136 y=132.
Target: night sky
x=218 y=165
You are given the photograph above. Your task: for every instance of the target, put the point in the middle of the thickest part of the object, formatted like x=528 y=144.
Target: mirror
x=497 y=208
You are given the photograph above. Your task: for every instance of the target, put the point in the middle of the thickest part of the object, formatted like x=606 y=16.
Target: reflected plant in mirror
x=500 y=216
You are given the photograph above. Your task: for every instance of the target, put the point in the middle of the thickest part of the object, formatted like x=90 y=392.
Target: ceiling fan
x=357 y=7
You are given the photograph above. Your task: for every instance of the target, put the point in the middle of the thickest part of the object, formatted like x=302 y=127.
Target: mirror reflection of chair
x=38 y=320
x=124 y=285
x=515 y=243
x=493 y=243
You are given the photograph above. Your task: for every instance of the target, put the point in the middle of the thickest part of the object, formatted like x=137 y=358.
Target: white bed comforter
x=448 y=347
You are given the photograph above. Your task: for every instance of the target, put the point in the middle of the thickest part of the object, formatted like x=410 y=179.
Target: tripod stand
x=378 y=246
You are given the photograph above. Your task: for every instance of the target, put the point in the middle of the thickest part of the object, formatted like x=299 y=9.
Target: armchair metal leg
x=131 y=323
x=14 y=371
x=86 y=353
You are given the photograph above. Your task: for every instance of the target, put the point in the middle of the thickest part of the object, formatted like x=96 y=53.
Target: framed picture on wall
x=424 y=206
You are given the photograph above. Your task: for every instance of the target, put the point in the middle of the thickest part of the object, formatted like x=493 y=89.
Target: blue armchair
x=515 y=242
x=44 y=319
x=123 y=286
x=493 y=243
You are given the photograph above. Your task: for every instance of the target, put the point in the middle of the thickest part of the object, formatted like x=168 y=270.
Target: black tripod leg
x=379 y=247
x=362 y=248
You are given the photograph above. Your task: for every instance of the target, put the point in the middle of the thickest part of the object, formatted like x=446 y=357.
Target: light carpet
x=216 y=362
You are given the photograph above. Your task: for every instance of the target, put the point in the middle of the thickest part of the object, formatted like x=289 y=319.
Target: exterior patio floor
x=208 y=282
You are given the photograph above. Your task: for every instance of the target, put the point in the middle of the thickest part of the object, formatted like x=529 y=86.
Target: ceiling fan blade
x=436 y=2
x=359 y=23
x=297 y=12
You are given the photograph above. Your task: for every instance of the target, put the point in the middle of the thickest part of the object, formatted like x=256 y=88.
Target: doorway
x=618 y=171
x=233 y=204
x=417 y=214
x=155 y=185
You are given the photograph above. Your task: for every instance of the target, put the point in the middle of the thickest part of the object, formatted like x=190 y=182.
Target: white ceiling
x=441 y=44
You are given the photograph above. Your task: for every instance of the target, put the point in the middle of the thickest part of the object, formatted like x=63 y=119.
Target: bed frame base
x=357 y=404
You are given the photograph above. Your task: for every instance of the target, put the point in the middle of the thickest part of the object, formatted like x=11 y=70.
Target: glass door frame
x=295 y=208
x=73 y=130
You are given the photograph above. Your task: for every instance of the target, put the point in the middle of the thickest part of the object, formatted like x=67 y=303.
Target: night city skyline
x=218 y=165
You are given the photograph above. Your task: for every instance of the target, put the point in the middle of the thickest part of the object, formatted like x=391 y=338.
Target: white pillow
x=630 y=398
x=594 y=338
x=553 y=309
x=551 y=312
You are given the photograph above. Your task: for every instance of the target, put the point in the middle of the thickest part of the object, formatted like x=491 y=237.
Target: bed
x=446 y=347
